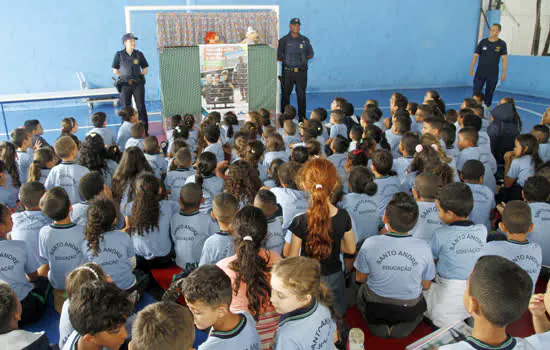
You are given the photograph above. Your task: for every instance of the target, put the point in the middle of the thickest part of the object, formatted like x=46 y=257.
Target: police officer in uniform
x=489 y=51
x=294 y=51
x=130 y=66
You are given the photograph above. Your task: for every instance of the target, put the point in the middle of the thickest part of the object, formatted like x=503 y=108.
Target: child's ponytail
x=362 y=181
x=101 y=218
x=206 y=164
x=35 y=171
x=146 y=207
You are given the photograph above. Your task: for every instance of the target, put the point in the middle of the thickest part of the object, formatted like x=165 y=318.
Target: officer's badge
x=484 y=48
x=136 y=61
x=301 y=46
x=497 y=49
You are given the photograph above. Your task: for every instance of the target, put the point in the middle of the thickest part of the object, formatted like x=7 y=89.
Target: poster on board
x=224 y=78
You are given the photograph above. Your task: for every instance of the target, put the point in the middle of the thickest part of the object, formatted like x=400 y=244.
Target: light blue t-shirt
x=24 y=161
x=457 y=248
x=293 y=202
x=291 y=139
x=544 y=151
x=175 y=180
x=487 y=158
x=339 y=161
x=26 y=226
x=217 y=150
x=155 y=243
x=467 y=154
x=310 y=327
x=396 y=264
x=217 y=247
x=428 y=221
x=133 y=142
x=189 y=233
x=275 y=238
x=107 y=134
x=338 y=129
x=158 y=163
x=67 y=175
x=124 y=133
x=484 y=202
x=387 y=187
x=394 y=140
x=211 y=186
x=109 y=172
x=60 y=246
x=271 y=156
x=79 y=215
x=364 y=212
x=527 y=255
x=540 y=213
x=534 y=342
x=402 y=166
x=521 y=169
x=114 y=254
x=15 y=262
x=242 y=337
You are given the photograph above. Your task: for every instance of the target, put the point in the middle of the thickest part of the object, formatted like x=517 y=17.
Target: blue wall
x=359 y=44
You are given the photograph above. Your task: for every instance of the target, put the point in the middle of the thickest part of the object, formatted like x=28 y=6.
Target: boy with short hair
x=60 y=243
x=401 y=124
x=396 y=267
x=212 y=136
x=448 y=136
x=220 y=245
x=267 y=202
x=425 y=189
x=34 y=127
x=68 y=173
x=175 y=179
x=536 y=191
x=163 y=326
x=290 y=134
x=156 y=160
x=190 y=228
x=22 y=140
x=321 y=115
x=484 y=198
x=497 y=294
x=339 y=156
x=338 y=127
x=138 y=134
x=455 y=247
x=98 y=312
x=99 y=121
x=407 y=148
x=387 y=180
x=433 y=126
x=516 y=224
x=483 y=141
x=208 y=293
x=292 y=200
x=542 y=132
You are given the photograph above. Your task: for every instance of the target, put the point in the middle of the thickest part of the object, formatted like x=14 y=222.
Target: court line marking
x=534 y=103
x=529 y=111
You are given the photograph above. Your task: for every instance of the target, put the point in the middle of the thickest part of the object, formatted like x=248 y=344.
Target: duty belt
x=295 y=70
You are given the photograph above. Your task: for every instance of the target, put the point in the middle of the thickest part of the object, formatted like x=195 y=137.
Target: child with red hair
x=211 y=38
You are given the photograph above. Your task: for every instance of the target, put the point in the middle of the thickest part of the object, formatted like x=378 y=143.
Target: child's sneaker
x=356 y=339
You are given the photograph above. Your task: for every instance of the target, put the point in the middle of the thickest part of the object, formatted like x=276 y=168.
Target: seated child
x=220 y=245
x=484 y=198
x=212 y=136
x=448 y=136
x=69 y=127
x=387 y=180
x=425 y=189
x=98 y=312
x=156 y=160
x=163 y=326
x=290 y=134
x=129 y=117
x=516 y=224
x=520 y=164
x=99 y=121
x=497 y=295
x=275 y=147
x=467 y=144
x=337 y=126
x=483 y=141
x=299 y=154
x=111 y=249
x=190 y=228
x=178 y=173
x=401 y=124
x=67 y=174
x=275 y=239
x=60 y=243
x=542 y=132
x=10 y=317
x=456 y=247
x=273 y=172
x=292 y=200
x=407 y=148
x=22 y=140
x=396 y=268
x=308 y=319
x=34 y=128
x=20 y=270
x=207 y=180
x=339 y=147
x=355 y=135
x=535 y=192
x=320 y=114
x=44 y=159
x=138 y=134
x=433 y=126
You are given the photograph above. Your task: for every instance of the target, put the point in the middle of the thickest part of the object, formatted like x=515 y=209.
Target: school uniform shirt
x=396 y=264
x=175 y=180
x=109 y=171
x=364 y=212
x=124 y=134
x=270 y=183
x=275 y=238
x=271 y=156
x=24 y=161
x=67 y=175
x=544 y=151
x=387 y=187
x=26 y=226
x=521 y=169
x=5 y=197
x=60 y=246
x=107 y=134
x=114 y=254
x=394 y=140
x=155 y=243
x=189 y=232
x=44 y=175
x=401 y=166
x=381 y=125
x=339 y=161
x=133 y=142
x=309 y=327
x=534 y=342
x=262 y=172
x=428 y=221
x=338 y=129
x=457 y=247
x=540 y=214
x=158 y=163
x=217 y=149
x=484 y=202
x=475 y=153
x=293 y=202
x=291 y=139
x=211 y=186
x=487 y=158
x=15 y=262
x=217 y=247
x=11 y=191
x=244 y=336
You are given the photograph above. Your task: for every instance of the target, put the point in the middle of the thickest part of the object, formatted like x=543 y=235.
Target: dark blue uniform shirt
x=294 y=52
x=129 y=65
x=489 y=55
